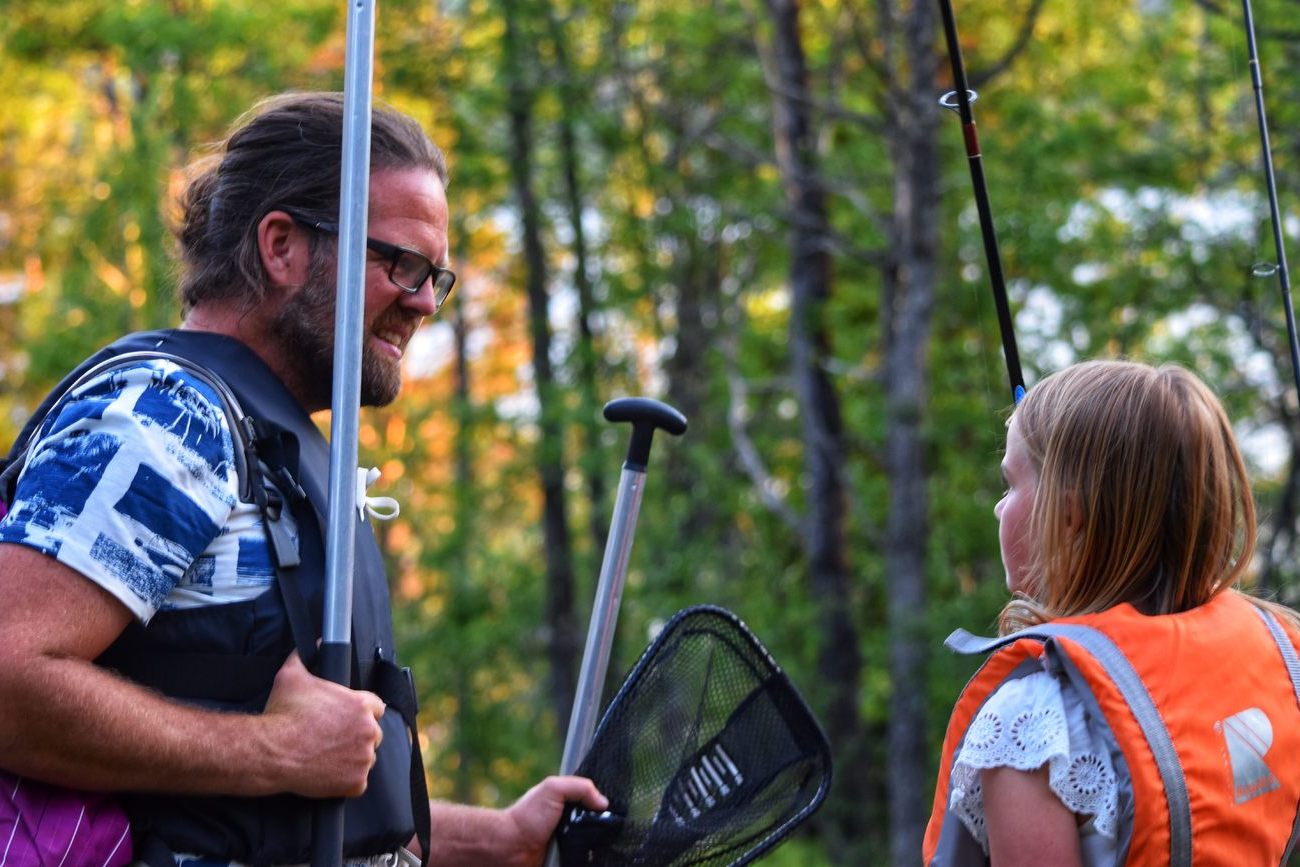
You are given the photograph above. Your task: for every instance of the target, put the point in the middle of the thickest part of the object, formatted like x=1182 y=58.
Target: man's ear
x=285 y=250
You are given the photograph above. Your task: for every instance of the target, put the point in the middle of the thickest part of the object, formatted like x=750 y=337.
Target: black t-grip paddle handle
x=645 y=415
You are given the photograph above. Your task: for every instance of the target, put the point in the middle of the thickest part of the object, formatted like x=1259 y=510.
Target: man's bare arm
x=66 y=721
x=514 y=837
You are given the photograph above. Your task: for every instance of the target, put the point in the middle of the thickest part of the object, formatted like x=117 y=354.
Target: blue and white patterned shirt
x=131 y=482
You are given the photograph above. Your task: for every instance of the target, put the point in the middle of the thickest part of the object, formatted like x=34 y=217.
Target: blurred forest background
x=756 y=211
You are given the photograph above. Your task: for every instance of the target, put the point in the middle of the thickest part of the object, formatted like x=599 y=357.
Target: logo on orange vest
x=1248 y=735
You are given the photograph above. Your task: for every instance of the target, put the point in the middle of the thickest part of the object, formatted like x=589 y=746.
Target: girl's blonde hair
x=1142 y=493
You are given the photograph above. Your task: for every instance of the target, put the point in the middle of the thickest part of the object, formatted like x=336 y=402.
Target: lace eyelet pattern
x=1089 y=777
x=984 y=732
x=1035 y=731
x=1025 y=725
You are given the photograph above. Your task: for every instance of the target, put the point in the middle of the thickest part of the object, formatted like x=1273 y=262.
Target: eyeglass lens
x=410 y=269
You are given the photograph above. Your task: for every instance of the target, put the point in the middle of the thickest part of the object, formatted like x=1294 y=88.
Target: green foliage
x=1123 y=165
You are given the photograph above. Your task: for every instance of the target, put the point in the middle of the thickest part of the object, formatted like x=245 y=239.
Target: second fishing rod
x=960 y=101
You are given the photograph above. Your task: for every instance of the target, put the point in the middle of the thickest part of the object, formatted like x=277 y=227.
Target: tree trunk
x=463 y=488
x=910 y=288
x=585 y=351
x=562 y=644
x=690 y=374
x=811 y=277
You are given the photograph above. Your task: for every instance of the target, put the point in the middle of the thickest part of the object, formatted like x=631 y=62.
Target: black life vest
x=226 y=656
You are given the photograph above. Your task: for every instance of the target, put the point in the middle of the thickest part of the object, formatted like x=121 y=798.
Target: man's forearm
x=66 y=721
x=473 y=836
x=69 y=722
x=514 y=837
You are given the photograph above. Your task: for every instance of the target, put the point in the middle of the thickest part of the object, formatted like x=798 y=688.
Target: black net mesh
x=707 y=754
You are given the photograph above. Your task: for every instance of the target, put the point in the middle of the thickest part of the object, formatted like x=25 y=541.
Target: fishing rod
x=1267 y=269
x=959 y=101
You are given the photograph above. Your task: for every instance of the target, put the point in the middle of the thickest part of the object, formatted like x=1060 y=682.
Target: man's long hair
x=285 y=153
x=1143 y=496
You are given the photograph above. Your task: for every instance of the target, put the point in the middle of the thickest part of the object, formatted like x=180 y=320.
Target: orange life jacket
x=1203 y=710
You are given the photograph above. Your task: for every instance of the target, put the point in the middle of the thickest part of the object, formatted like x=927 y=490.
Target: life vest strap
x=1135 y=694
x=1292 y=662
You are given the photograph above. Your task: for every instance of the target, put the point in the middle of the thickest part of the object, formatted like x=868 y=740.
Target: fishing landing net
x=707 y=754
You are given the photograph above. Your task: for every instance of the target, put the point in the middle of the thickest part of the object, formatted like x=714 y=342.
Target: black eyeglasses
x=407 y=268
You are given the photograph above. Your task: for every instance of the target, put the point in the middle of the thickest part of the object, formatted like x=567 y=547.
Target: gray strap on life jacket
x=248 y=469
x=1126 y=679
x=1292 y=663
x=1289 y=656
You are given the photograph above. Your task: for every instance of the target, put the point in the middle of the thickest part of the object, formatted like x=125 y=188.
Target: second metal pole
x=604 y=617
x=646 y=416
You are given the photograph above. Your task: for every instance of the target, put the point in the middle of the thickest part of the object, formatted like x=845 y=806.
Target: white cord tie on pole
x=379 y=508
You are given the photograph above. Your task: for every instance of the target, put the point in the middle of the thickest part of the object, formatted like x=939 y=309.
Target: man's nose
x=421 y=301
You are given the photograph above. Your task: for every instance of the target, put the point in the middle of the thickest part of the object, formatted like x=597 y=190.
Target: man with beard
x=152 y=638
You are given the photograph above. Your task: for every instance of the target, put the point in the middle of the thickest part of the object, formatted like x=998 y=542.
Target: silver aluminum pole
x=354 y=197
x=604 y=617
x=646 y=416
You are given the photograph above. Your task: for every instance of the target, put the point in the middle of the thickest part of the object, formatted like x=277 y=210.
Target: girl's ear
x=1073 y=511
x=284 y=249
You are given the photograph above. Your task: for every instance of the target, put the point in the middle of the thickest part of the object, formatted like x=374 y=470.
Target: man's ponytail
x=284 y=154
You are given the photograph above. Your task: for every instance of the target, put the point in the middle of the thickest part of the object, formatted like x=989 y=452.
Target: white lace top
x=1030 y=722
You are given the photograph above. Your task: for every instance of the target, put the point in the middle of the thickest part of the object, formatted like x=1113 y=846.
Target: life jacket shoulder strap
x=1292 y=662
x=230 y=407
x=249 y=471
x=1121 y=672
x=243 y=429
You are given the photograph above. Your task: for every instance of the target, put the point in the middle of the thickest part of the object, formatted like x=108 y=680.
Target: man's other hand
x=322 y=736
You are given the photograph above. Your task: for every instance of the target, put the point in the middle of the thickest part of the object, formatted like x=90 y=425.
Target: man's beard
x=305 y=328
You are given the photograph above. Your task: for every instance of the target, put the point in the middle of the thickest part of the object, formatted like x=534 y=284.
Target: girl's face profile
x=1014 y=512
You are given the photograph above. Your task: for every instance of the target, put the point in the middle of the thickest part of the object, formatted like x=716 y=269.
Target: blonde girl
x=1145 y=709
